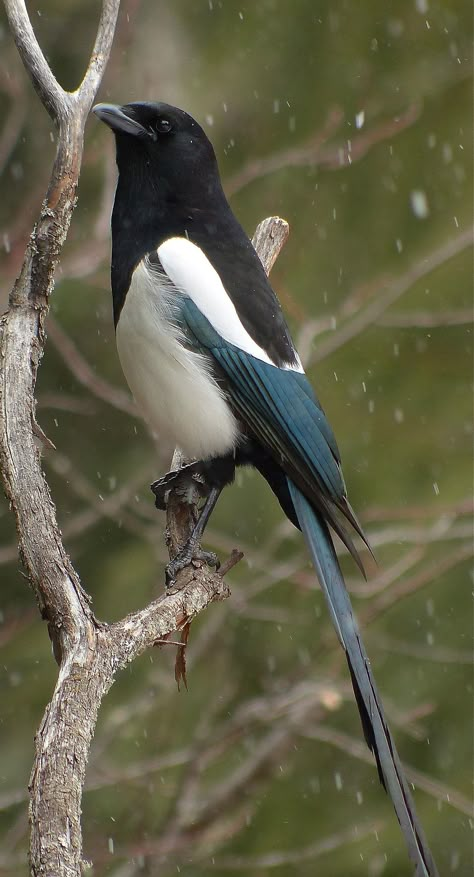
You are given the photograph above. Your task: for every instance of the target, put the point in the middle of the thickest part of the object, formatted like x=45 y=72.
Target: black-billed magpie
x=209 y=359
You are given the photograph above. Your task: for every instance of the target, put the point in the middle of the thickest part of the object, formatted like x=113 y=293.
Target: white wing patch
x=192 y=273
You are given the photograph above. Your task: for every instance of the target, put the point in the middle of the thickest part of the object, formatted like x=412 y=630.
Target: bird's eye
x=163 y=126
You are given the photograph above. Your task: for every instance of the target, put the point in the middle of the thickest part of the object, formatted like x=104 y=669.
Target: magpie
x=207 y=354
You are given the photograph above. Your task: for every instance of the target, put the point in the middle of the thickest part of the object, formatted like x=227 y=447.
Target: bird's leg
x=189 y=477
x=204 y=478
x=208 y=477
x=192 y=551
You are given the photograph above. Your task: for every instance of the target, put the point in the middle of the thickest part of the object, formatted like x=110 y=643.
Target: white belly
x=171 y=385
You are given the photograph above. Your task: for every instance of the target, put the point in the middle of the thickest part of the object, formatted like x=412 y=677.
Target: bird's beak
x=117 y=119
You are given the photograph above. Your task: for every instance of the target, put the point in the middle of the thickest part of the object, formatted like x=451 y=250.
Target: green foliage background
x=264 y=77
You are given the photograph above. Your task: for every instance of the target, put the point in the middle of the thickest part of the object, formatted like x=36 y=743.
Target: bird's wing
x=277 y=404
x=279 y=407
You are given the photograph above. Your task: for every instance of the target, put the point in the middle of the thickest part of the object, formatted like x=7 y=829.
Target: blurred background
x=353 y=122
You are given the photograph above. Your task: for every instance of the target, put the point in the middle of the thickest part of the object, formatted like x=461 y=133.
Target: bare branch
x=353 y=150
x=270 y=237
x=57 y=586
x=304 y=154
x=56 y=782
x=356 y=748
x=280 y=858
x=464 y=506
x=82 y=371
x=435 y=569
x=427 y=319
x=315 y=153
x=422 y=651
x=393 y=291
x=88 y=88
x=53 y=97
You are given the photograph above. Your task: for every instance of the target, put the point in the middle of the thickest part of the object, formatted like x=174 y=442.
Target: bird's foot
x=184 y=480
x=190 y=552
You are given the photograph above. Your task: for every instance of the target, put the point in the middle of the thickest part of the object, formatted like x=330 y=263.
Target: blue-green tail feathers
x=377 y=733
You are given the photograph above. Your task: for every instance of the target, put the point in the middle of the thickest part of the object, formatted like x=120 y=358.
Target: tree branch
x=56 y=781
x=89 y=86
x=374 y=311
x=356 y=748
x=52 y=96
x=84 y=374
x=315 y=152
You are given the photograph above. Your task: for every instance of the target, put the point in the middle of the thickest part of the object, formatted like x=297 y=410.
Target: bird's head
x=159 y=146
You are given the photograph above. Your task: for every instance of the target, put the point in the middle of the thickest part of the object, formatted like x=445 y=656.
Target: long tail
x=376 y=730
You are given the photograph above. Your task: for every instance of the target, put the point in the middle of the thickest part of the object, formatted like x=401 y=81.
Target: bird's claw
x=185 y=557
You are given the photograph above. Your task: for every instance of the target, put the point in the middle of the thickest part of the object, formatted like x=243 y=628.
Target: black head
x=160 y=149
x=168 y=184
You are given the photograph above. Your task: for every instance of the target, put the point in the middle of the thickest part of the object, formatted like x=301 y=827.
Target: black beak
x=117 y=119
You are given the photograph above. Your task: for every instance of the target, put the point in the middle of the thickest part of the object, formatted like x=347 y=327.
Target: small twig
x=392 y=292
x=464 y=506
x=315 y=153
x=231 y=561
x=353 y=150
x=80 y=368
x=282 y=858
x=358 y=750
x=422 y=651
x=426 y=319
x=169 y=642
x=435 y=569
x=296 y=156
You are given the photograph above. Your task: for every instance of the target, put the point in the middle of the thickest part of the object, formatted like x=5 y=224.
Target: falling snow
x=419 y=203
x=338 y=781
